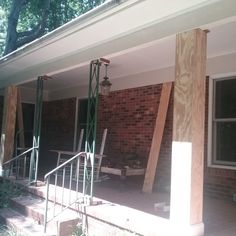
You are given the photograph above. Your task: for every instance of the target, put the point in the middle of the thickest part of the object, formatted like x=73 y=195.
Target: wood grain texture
x=8 y=127
x=157 y=138
x=20 y=120
x=198 y=124
x=189 y=113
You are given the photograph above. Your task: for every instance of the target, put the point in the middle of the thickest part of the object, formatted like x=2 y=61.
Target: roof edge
x=60 y=31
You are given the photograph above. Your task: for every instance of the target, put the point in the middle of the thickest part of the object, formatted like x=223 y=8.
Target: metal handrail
x=18 y=156
x=16 y=159
x=17 y=136
x=72 y=172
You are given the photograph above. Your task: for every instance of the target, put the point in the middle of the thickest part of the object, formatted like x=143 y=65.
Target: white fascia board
x=144 y=12
x=114 y=31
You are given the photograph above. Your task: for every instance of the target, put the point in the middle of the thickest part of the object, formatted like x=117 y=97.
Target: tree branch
x=29 y=36
x=13 y=17
x=28 y=32
x=27 y=39
x=16 y=39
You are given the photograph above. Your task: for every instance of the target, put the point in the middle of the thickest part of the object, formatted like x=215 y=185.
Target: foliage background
x=31 y=12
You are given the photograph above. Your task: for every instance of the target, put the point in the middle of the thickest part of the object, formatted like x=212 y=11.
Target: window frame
x=212 y=123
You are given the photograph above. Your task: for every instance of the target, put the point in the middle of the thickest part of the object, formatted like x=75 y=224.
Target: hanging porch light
x=105 y=85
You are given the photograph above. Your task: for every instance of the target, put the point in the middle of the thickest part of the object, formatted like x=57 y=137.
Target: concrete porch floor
x=219 y=216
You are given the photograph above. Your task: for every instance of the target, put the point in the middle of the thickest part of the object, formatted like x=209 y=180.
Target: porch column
x=8 y=124
x=188 y=133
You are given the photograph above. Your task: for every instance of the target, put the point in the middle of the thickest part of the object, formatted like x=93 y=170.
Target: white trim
x=224 y=119
x=209 y=135
x=223 y=76
x=222 y=167
x=211 y=96
x=76 y=124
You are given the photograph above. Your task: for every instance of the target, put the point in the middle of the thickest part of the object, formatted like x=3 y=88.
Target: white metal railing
x=17 y=166
x=70 y=171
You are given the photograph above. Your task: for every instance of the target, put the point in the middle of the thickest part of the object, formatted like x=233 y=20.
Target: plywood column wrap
x=188 y=128
x=20 y=120
x=8 y=125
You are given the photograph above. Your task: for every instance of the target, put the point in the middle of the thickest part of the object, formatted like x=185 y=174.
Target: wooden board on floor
x=122 y=171
x=157 y=138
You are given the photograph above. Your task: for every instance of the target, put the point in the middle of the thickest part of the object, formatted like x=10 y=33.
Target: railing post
x=74 y=159
x=46 y=204
x=14 y=163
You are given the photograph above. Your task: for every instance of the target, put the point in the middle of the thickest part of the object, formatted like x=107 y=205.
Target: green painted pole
x=91 y=130
x=33 y=172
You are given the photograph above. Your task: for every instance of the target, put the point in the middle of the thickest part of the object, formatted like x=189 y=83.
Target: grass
x=8 y=190
x=7 y=231
x=78 y=231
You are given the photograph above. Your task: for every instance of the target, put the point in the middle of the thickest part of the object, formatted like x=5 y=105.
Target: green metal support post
x=91 y=131
x=33 y=172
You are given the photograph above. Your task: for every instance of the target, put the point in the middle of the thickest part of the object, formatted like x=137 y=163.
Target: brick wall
x=220 y=183
x=1 y=111
x=130 y=118
x=57 y=129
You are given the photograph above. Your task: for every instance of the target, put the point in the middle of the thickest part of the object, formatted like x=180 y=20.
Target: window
x=224 y=122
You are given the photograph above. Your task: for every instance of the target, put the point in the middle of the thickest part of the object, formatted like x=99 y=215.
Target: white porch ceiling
x=152 y=56
x=136 y=35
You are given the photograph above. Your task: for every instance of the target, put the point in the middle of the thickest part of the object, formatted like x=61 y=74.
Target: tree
x=86 y=5
x=30 y=19
x=3 y=25
x=15 y=39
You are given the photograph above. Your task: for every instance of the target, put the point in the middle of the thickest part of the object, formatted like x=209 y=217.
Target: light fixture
x=105 y=85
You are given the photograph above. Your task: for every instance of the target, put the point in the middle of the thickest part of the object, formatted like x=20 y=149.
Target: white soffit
x=116 y=33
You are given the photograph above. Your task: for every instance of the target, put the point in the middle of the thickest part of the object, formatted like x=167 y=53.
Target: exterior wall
x=1 y=111
x=220 y=183
x=57 y=129
x=130 y=117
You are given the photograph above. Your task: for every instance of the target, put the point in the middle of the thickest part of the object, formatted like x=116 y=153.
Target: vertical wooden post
x=8 y=124
x=188 y=129
x=20 y=120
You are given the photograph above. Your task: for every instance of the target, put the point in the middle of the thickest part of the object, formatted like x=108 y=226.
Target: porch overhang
x=51 y=55
x=151 y=21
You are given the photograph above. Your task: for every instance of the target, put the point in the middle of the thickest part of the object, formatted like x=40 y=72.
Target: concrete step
x=24 y=226
x=55 y=193
x=34 y=207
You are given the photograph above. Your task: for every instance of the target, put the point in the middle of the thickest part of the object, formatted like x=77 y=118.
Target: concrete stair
x=24 y=226
x=26 y=216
